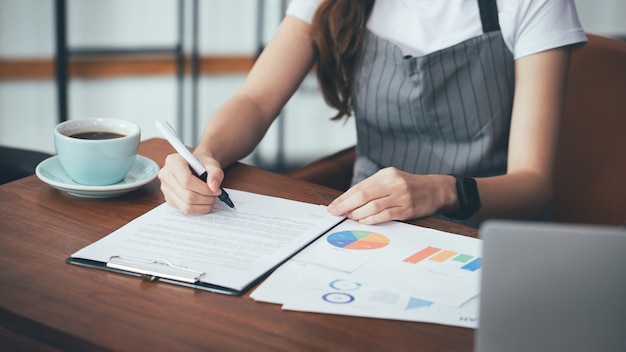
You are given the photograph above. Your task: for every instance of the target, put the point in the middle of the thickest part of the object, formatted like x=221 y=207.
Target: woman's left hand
x=392 y=194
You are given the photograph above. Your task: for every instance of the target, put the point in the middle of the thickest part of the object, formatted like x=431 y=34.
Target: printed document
x=392 y=270
x=227 y=249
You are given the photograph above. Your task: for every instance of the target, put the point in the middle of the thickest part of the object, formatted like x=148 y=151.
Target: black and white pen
x=196 y=166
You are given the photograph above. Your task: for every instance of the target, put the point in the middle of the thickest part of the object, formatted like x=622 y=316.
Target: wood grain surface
x=47 y=304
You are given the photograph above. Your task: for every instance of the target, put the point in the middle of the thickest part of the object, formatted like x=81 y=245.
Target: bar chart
x=434 y=254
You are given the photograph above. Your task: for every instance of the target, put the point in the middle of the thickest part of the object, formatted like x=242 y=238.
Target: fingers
x=368 y=207
x=215 y=175
x=382 y=197
x=354 y=198
x=187 y=202
x=365 y=202
x=183 y=190
x=376 y=211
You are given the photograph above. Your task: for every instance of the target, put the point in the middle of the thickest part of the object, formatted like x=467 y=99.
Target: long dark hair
x=337 y=30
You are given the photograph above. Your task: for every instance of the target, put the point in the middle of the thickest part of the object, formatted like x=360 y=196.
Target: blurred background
x=172 y=60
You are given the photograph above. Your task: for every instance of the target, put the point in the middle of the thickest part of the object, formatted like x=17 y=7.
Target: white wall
x=604 y=17
x=28 y=108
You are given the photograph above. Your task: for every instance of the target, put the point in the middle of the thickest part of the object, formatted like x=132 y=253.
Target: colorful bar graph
x=443 y=256
x=473 y=265
x=468 y=262
x=463 y=258
x=421 y=255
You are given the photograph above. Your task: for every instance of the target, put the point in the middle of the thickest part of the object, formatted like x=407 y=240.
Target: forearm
x=526 y=189
x=233 y=131
x=522 y=195
x=239 y=125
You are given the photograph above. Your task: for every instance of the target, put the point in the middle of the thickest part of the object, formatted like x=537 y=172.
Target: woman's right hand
x=236 y=127
x=183 y=190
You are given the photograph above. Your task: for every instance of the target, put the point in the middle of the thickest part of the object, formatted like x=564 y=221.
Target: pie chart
x=357 y=240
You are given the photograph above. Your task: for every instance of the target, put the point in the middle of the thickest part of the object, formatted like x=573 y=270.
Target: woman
x=457 y=104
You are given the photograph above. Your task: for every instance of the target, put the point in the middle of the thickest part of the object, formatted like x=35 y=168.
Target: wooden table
x=47 y=304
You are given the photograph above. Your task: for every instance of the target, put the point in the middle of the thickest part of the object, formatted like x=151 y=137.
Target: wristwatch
x=469 y=200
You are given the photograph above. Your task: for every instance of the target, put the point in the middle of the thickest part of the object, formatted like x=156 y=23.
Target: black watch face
x=471 y=193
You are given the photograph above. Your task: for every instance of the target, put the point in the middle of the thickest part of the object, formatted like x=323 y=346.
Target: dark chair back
x=590 y=174
x=16 y=163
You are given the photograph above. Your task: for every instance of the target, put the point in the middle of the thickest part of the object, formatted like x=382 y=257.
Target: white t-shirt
x=420 y=27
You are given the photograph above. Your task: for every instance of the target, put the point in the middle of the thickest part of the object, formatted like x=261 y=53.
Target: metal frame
x=64 y=53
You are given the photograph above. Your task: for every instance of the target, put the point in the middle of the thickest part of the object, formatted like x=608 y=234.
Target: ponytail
x=337 y=29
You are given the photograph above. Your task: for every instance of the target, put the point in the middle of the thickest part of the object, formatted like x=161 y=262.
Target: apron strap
x=489 y=15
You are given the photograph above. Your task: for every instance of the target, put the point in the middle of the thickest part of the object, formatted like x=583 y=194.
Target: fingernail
x=331 y=209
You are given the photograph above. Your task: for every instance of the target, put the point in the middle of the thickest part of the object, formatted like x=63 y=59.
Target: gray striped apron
x=444 y=113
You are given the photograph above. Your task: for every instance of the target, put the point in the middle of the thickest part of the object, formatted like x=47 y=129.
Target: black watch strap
x=469 y=200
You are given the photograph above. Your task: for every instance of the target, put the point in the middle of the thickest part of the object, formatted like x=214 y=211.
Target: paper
x=231 y=248
x=324 y=295
x=393 y=271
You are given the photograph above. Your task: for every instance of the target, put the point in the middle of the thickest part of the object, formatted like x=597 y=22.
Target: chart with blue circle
x=338 y=298
x=358 y=240
x=344 y=285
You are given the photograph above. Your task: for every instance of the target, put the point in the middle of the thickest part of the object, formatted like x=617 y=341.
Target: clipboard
x=223 y=251
x=161 y=270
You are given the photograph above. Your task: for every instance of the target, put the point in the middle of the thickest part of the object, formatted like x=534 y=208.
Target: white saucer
x=52 y=172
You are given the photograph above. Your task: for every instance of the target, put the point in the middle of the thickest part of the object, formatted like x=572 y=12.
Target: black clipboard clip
x=155 y=269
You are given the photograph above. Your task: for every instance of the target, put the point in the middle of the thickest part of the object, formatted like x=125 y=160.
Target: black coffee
x=97 y=135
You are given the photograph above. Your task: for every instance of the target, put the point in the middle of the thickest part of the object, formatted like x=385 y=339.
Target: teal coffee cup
x=97 y=151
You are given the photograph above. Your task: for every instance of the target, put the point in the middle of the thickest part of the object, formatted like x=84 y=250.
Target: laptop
x=552 y=287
